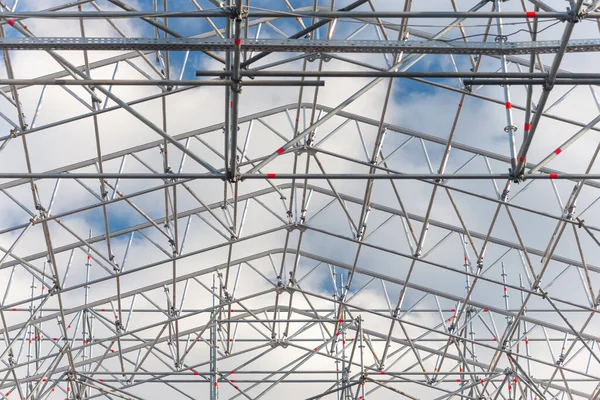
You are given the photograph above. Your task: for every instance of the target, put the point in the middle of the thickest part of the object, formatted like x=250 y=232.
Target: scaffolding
x=299 y=199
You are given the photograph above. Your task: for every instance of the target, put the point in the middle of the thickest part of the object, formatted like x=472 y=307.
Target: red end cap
x=485 y=310
x=238 y=42
x=508 y=105
x=280 y=151
x=271 y=176
x=195 y=372
x=527 y=127
x=382 y=372
x=558 y=151
x=236 y=387
x=11 y=22
x=521 y=159
x=530 y=14
x=553 y=176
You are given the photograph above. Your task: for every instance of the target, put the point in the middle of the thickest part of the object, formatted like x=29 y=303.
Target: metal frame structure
x=395 y=200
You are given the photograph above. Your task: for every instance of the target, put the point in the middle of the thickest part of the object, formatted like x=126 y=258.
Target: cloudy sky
x=419 y=118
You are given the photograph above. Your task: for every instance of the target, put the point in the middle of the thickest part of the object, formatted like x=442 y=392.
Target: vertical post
x=467 y=266
x=362 y=361
x=38 y=329
x=337 y=362
x=510 y=129
x=505 y=295
x=228 y=104
x=344 y=380
x=509 y=322
x=30 y=336
x=235 y=88
x=213 y=345
x=84 y=315
x=525 y=328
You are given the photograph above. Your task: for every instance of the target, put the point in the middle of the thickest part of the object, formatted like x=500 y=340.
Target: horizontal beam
x=225 y=13
x=148 y=338
x=149 y=82
x=321 y=310
x=502 y=82
x=297 y=45
x=349 y=176
x=397 y=74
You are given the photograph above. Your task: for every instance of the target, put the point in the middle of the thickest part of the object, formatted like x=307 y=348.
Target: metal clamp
x=547 y=86
x=293 y=227
x=312 y=57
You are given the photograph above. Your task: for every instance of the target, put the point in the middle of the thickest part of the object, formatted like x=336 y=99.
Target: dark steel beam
x=398 y=74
